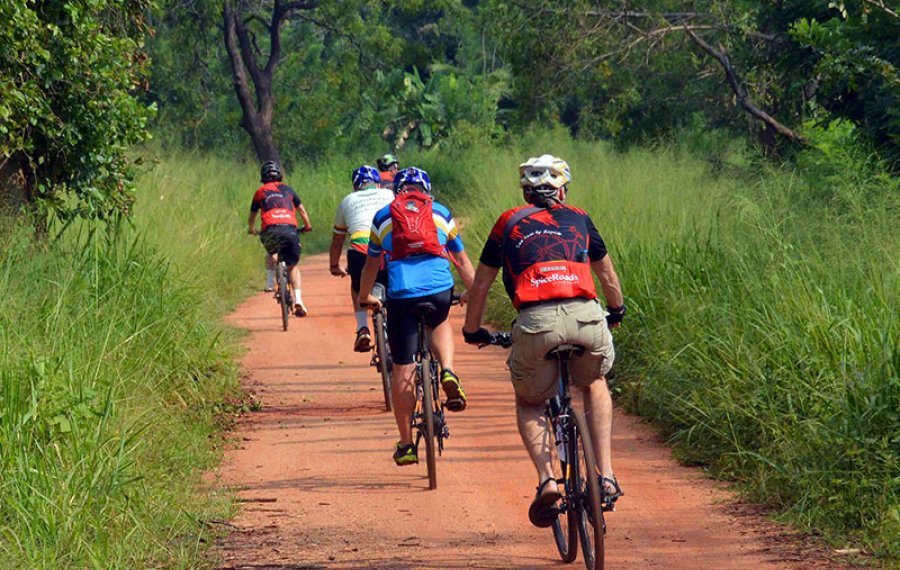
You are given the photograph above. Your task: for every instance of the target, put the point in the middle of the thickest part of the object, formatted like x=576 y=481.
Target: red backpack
x=413 y=230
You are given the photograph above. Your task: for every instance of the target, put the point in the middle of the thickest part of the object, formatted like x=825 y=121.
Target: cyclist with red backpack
x=417 y=235
x=547 y=251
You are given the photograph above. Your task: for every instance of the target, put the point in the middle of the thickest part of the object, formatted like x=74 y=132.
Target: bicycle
x=283 y=286
x=429 y=421
x=381 y=356
x=579 y=517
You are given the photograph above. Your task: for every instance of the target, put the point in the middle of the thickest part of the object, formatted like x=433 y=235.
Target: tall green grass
x=114 y=365
x=763 y=332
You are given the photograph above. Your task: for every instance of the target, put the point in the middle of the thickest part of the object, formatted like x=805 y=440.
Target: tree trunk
x=256 y=115
x=259 y=108
x=13 y=189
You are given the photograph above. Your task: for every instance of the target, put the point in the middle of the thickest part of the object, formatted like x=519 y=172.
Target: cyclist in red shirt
x=387 y=169
x=547 y=251
x=278 y=206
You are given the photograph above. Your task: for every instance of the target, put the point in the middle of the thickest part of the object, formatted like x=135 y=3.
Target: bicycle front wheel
x=384 y=358
x=283 y=295
x=428 y=418
x=586 y=490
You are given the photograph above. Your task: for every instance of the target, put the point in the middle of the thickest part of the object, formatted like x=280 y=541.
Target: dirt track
x=319 y=489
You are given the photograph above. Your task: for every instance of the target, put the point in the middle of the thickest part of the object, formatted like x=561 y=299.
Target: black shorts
x=356 y=260
x=403 y=327
x=282 y=239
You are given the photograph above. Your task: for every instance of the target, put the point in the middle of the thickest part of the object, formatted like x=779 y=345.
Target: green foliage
x=631 y=72
x=429 y=111
x=68 y=74
x=857 y=58
x=378 y=74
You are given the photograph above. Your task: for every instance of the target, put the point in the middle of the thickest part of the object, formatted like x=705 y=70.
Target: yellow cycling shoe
x=456 y=396
x=405 y=454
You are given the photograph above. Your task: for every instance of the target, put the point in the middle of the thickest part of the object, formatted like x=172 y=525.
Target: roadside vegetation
x=116 y=374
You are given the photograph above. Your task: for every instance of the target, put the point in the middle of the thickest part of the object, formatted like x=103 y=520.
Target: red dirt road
x=313 y=469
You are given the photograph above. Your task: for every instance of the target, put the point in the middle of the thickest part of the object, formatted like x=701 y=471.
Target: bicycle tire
x=283 y=295
x=565 y=527
x=383 y=356
x=428 y=420
x=587 y=490
x=439 y=419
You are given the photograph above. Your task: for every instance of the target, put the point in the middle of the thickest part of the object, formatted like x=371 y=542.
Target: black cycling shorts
x=283 y=239
x=403 y=327
x=356 y=260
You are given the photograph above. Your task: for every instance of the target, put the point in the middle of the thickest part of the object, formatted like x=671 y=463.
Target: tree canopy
x=77 y=89
x=70 y=71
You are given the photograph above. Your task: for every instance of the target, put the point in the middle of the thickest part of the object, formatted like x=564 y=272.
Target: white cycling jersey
x=354 y=215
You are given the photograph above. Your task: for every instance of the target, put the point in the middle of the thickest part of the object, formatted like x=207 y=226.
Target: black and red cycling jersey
x=278 y=203
x=547 y=255
x=387 y=178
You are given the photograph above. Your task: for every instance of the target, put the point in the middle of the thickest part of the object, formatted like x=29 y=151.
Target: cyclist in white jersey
x=354 y=218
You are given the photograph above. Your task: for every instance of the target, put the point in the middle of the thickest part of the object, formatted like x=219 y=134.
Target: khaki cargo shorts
x=539 y=329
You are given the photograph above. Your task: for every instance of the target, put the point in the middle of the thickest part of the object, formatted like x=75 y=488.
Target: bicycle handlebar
x=503 y=339
x=483 y=337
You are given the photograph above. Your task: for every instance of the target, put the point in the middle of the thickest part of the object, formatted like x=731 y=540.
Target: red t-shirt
x=546 y=255
x=387 y=178
x=278 y=203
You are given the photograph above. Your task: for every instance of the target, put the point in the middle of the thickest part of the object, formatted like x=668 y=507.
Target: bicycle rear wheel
x=583 y=480
x=383 y=357
x=428 y=419
x=283 y=295
x=565 y=527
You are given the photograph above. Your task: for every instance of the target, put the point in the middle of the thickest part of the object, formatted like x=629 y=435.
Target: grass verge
x=114 y=366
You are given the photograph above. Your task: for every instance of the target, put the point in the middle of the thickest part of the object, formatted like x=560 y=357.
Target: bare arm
x=251 y=223
x=367 y=280
x=478 y=292
x=334 y=254
x=302 y=211
x=465 y=269
x=609 y=281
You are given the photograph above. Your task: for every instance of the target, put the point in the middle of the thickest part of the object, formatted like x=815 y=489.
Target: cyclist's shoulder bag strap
x=515 y=219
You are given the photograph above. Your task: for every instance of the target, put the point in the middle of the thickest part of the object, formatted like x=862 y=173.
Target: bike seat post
x=562 y=354
x=421 y=312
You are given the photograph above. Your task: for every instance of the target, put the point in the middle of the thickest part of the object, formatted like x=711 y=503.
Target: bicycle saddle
x=567 y=350
x=424 y=309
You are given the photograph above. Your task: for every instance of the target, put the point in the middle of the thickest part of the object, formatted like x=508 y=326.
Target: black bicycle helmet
x=270 y=171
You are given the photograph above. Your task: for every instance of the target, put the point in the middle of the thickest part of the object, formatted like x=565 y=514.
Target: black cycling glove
x=481 y=336
x=615 y=316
